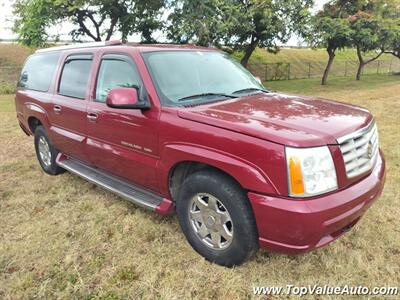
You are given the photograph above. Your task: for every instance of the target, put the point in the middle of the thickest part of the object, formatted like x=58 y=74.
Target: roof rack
x=81 y=45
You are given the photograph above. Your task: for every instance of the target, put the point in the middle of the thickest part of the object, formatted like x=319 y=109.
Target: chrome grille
x=359 y=150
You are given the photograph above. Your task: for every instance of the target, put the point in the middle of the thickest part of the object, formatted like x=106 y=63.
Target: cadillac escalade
x=187 y=129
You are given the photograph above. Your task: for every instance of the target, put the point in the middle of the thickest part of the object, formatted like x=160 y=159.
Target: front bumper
x=295 y=226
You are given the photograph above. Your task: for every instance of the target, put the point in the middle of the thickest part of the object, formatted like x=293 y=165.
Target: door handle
x=57 y=109
x=92 y=117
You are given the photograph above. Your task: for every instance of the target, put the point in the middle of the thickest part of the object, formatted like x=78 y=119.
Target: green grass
x=310 y=63
x=12 y=57
x=13 y=54
x=62 y=237
x=294 y=55
x=335 y=85
x=7 y=88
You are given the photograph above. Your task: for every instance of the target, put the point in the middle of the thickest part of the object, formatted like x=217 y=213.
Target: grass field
x=13 y=54
x=311 y=63
x=295 y=55
x=62 y=237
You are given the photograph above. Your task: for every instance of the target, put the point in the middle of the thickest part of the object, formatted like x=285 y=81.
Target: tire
x=196 y=220
x=47 y=162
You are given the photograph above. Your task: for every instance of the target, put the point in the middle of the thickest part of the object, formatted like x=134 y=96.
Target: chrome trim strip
x=357 y=133
x=108 y=187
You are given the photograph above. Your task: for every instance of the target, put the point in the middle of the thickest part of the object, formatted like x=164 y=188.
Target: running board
x=117 y=186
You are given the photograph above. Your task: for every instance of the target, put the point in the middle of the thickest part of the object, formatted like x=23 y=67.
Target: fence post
x=378 y=67
x=309 y=70
x=345 y=68
x=390 y=66
x=288 y=72
x=266 y=72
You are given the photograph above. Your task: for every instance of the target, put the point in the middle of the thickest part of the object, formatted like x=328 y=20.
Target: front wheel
x=216 y=218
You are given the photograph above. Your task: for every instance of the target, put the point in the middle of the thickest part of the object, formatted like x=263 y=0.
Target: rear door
x=123 y=142
x=68 y=114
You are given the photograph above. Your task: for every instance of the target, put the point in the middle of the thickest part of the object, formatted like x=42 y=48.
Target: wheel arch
x=33 y=123
x=183 y=169
x=36 y=116
x=179 y=161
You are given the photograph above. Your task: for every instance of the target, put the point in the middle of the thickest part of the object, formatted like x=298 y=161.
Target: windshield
x=198 y=76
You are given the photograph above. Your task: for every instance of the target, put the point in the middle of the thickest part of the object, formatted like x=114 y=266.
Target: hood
x=288 y=120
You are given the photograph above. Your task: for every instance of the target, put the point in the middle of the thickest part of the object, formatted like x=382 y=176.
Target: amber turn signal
x=296 y=176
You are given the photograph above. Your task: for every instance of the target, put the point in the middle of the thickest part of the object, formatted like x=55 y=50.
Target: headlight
x=310 y=171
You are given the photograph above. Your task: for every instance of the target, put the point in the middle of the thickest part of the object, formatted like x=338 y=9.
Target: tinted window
x=75 y=76
x=179 y=74
x=115 y=71
x=38 y=71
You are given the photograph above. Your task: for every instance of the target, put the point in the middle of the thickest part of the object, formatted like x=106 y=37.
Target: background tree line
x=369 y=26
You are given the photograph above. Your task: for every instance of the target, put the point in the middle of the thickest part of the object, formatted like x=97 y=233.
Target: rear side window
x=38 y=71
x=75 y=76
x=115 y=71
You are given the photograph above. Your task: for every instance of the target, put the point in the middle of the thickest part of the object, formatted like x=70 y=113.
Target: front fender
x=247 y=174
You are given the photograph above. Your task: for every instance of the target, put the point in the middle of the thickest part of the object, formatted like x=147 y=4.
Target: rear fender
x=38 y=112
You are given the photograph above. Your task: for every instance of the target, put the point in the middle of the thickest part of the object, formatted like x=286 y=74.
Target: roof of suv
x=140 y=47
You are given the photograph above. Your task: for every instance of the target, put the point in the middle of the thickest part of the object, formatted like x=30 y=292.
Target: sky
x=7 y=19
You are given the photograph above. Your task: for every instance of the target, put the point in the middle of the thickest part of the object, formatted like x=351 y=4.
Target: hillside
x=310 y=63
x=288 y=55
x=13 y=54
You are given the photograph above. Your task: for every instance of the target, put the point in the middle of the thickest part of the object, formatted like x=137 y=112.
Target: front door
x=123 y=142
x=68 y=114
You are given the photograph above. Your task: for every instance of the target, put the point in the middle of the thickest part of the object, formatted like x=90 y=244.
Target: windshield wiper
x=205 y=95
x=251 y=89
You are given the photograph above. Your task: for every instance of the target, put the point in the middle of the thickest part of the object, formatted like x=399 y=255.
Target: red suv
x=189 y=129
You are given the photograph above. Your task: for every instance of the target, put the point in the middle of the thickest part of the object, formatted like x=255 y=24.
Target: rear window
x=38 y=71
x=75 y=76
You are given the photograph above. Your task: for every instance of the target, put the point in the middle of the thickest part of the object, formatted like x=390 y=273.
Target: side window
x=38 y=71
x=115 y=71
x=75 y=76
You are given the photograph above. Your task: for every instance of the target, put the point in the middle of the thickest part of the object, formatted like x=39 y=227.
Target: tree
x=243 y=24
x=201 y=22
x=395 y=45
x=266 y=23
x=95 y=19
x=330 y=29
x=366 y=36
x=391 y=13
x=333 y=34
x=366 y=25
x=375 y=29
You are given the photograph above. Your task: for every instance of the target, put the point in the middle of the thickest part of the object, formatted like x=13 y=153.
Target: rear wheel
x=216 y=218
x=46 y=153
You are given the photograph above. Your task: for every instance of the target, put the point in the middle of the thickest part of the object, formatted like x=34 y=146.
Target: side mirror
x=125 y=98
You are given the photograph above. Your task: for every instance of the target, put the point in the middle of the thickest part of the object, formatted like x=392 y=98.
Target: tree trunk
x=360 y=70
x=110 y=30
x=248 y=52
x=361 y=63
x=331 y=53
